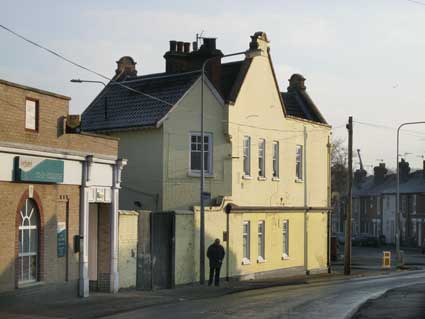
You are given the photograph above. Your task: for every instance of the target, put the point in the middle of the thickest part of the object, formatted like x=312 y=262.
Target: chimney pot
x=180 y=47
x=297 y=82
x=186 y=47
x=173 y=45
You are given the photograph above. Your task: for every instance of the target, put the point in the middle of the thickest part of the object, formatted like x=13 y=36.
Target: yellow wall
x=143 y=173
x=216 y=224
x=258 y=113
x=181 y=189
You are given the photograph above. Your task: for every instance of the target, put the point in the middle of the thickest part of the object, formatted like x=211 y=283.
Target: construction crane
x=360 y=158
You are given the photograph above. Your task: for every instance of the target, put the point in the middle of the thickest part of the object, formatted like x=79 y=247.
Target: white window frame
x=207 y=170
x=246 y=156
x=275 y=161
x=246 y=238
x=285 y=239
x=31 y=114
x=262 y=158
x=25 y=216
x=261 y=241
x=299 y=165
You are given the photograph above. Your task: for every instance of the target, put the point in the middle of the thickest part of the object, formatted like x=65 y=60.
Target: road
x=337 y=299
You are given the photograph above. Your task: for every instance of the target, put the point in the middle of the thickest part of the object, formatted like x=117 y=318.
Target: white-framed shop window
x=28 y=242
x=196 y=153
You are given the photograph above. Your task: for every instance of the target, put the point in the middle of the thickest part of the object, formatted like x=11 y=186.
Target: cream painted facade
x=158 y=177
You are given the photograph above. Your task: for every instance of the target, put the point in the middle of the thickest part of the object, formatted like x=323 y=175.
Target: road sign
x=386 y=260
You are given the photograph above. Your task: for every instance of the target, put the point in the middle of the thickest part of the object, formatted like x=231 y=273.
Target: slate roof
x=299 y=104
x=118 y=108
x=414 y=185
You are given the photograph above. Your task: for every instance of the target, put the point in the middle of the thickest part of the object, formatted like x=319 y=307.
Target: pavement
x=367 y=276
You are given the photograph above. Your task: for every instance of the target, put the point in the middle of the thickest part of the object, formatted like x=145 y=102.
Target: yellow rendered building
x=267 y=159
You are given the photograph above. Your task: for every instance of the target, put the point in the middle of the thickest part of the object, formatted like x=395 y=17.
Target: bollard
x=386 y=260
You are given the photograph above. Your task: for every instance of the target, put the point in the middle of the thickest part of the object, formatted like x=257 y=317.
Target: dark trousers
x=216 y=271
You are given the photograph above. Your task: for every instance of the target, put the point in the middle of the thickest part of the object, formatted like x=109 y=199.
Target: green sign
x=35 y=169
x=61 y=235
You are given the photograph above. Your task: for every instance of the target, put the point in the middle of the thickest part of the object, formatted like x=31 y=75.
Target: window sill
x=285 y=257
x=298 y=180
x=261 y=178
x=260 y=260
x=275 y=179
x=198 y=174
x=29 y=284
x=246 y=261
x=248 y=177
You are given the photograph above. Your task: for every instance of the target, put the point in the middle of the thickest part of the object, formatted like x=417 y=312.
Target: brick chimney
x=180 y=59
x=126 y=67
x=177 y=58
x=404 y=170
x=379 y=173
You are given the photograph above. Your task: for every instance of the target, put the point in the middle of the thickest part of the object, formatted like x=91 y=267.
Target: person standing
x=215 y=254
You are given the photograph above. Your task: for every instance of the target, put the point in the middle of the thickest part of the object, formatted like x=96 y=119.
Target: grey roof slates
x=414 y=185
x=127 y=109
x=298 y=104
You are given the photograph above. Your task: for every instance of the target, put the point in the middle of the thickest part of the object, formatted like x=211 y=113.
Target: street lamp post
x=86 y=81
x=397 y=200
x=202 y=212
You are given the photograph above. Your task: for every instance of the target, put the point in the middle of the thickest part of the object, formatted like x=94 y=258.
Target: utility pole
x=348 y=228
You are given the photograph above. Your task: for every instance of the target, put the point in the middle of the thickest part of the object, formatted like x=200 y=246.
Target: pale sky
x=363 y=58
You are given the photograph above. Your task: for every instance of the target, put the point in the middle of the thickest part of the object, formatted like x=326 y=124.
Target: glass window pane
x=25 y=268
x=33 y=241
x=32 y=268
x=26 y=241
x=20 y=241
x=195 y=161
x=193 y=138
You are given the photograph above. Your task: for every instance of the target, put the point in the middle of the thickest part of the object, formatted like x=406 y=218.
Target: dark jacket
x=215 y=254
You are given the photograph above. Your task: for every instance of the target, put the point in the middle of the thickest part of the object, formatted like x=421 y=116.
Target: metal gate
x=155 y=264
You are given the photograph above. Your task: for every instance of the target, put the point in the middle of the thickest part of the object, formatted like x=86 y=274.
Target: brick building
x=59 y=193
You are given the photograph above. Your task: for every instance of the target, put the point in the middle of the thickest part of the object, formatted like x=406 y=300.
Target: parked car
x=365 y=240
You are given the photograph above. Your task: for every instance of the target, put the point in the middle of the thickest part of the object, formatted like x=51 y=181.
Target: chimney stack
x=379 y=173
x=296 y=82
x=126 y=67
x=404 y=170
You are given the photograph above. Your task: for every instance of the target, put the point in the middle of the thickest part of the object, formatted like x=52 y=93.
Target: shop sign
x=36 y=169
x=61 y=235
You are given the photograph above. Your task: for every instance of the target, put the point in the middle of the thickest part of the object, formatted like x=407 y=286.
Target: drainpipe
x=305 y=205
x=227 y=245
x=329 y=194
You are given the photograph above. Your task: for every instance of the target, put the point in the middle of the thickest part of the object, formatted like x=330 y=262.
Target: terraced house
x=266 y=159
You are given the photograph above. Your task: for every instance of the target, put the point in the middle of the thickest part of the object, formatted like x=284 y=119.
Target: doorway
x=93 y=240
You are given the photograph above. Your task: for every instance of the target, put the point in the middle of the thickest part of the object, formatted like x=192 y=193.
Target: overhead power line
x=60 y=56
